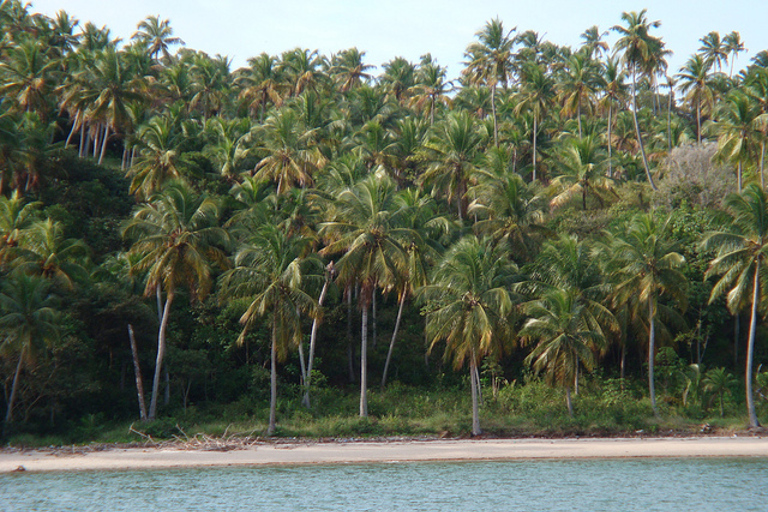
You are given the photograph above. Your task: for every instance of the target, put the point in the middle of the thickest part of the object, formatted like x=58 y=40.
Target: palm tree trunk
x=474 y=388
x=273 y=381
x=669 y=122
x=741 y=175
x=104 y=144
x=610 y=123
x=493 y=111
x=568 y=401
x=14 y=387
x=392 y=341
x=751 y=347
x=762 y=164
x=578 y=116
x=81 y=149
x=313 y=336
x=637 y=131
x=137 y=371
x=73 y=130
x=364 y=364
x=535 y=130
x=652 y=354
x=350 y=349
x=698 y=122
x=160 y=356
x=374 y=323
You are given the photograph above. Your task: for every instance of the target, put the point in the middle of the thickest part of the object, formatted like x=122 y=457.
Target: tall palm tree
x=468 y=305
x=179 y=240
x=490 y=62
x=756 y=87
x=738 y=130
x=27 y=77
x=431 y=88
x=398 y=78
x=639 y=48
x=348 y=70
x=566 y=338
x=695 y=84
x=578 y=87
x=262 y=84
x=291 y=154
x=713 y=50
x=535 y=95
x=158 y=35
x=365 y=229
x=646 y=266
x=268 y=273
x=733 y=45
x=615 y=95
x=158 y=143
x=451 y=151
x=741 y=253
x=16 y=216
x=28 y=323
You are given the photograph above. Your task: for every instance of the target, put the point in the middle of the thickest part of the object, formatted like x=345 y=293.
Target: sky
x=386 y=29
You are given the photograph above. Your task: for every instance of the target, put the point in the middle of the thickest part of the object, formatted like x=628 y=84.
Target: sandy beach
x=392 y=451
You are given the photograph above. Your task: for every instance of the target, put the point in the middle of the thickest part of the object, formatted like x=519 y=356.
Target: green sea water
x=628 y=485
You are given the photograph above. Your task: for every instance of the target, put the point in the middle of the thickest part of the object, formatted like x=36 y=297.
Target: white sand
x=361 y=452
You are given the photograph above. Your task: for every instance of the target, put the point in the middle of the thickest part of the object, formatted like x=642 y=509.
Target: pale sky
x=385 y=29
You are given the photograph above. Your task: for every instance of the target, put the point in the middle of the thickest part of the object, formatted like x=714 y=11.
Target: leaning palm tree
x=741 y=252
x=639 y=48
x=28 y=322
x=179 y=240
x=269 y=276
x=566 y=337
x=468 y=305
x=646 y=266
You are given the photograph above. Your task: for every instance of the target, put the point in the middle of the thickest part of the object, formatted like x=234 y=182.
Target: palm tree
x=28 y=323
x=16 y=216
x=578 y=87
x=261 y=84
x=468 y=305
x=733 y=45
x=398 y=78
x=158 y=143
x=647 y=267
x=157 y=35
x=718 y=381
x=431 y=88
x=536 y=95
x=348 y=70
x=594 y=45
x=697 y=87
x=741 y=252
x=756 y=87
x=490 y=62
x=639 y=48
x=365 y=230
x=582 y=162
x=615 y=93
x=268 y=274
x=178 y=238
x=738 y=130
x=451 y=150
x=713 y=50
x=291 y=153
x=27 y=77
x=566 y=338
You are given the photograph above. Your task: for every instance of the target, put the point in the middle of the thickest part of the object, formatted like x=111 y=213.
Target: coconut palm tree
x=451 y=151
x=157 y=35
x=27 y=77
x=582 y=172
x=536 y=95
x=741 y=252
x=28 y=323
x=713 y=50
x=738 y=130
x=490 y=62
x=365 y=230
x=696 y=85
x=566 y=338
x=431 y=88
x=718 y=381
x=468 y=306
x=261 y=84
x=269 y=275
x=179 y=240
x=348 y=70
x=578 y=86
x=158 y=143
x=615 y=95
x=398 y=78
x=733 y=45
x=639 y=48
x=647 y=266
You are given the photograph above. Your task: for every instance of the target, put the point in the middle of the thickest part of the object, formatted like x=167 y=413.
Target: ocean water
x=615 y=485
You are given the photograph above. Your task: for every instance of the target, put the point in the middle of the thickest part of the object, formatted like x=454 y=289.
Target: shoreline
x=366 y=452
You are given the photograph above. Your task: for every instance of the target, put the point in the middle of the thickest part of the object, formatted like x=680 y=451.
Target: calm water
x=666 y=485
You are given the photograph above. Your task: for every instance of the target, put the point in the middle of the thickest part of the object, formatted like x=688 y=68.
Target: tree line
x=556 y=208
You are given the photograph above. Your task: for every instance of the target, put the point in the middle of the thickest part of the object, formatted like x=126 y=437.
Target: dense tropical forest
x=570 y=236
